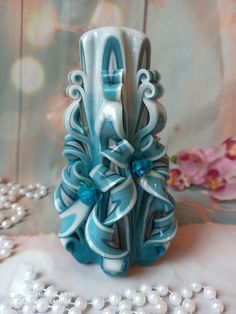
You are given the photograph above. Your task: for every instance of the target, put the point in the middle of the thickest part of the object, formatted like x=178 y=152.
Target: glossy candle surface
x=112 y=201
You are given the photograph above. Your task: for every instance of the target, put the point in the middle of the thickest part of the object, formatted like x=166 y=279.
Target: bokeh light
x=32 y=77
x=106 y=13
x=40 y=24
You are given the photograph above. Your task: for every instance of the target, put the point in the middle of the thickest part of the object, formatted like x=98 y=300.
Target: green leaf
x=173 y=159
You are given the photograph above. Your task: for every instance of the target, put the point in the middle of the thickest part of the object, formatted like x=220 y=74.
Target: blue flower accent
x=141 y=167
x=89 y=195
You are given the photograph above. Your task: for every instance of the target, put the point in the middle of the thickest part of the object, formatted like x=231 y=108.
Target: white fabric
x=204 y=252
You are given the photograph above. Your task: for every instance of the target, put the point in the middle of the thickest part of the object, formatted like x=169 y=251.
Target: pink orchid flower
x=221 y=179
x=177 y=180
x=212 y=167
x=194 y=164
x=230 y=148
x=212 y=153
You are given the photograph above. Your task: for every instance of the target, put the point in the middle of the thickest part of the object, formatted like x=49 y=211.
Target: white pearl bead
x=125 y=311
x=217 y=306
x=187 y=292
x=162 y=290
x=65 y=298
x=28 y=309
x=139 y=299
x=189 y=306
x=30 y=187
x=81 y=303
x=43 y=193
x=20 y=213
x=129 y=292
x=59 y=308
x=109 y=310
x=22 y=191
x=153 y=297
x=17 y=302
x=161 y=306
x=196 y=287
x=3 y=198
x=7 y=204
x=114 y=298
x=15 y=219
x=30 y=274
x=98 y=303
x=3 y=307
x=27 y=285
x=29 y=195
x=31 y=297
x=74 y=310
x=19 y=208
x=180 y=310
x=145 y=288
x=4 y=189
x=43 y=186
x=8 y=244
x=51 y=292
x=44 y=189
x=14 y=205
x=142 y=310
x=124 y=305
x=42 y=305
x=15 y=187
x=38 y=286
x=36 y=196
x=209 y=292
x=2 y=238
x=4 y=253
x=12 y=192
x=175 y=298
x=6 y=224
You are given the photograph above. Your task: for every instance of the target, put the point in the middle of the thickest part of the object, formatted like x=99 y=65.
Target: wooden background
x=39 y=46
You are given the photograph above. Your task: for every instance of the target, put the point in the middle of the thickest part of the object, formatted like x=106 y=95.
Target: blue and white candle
x=112 y=200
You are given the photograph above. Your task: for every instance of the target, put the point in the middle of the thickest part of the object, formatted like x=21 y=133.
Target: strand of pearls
x=37 y=297
x=6 y=247
x=10 y=194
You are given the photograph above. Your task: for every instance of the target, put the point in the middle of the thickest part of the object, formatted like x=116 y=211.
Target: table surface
x=204 y=252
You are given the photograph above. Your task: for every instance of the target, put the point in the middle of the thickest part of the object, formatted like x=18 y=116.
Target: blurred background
x=193 y=47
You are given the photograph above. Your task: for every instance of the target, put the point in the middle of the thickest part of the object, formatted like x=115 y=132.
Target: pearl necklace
x=10 y=194
x=6 y=247
x=38 y=297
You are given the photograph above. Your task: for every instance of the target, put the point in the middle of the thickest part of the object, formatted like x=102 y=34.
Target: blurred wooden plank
x=186 y=49
x=119 y=13
x=10 y=97
x=51 y=31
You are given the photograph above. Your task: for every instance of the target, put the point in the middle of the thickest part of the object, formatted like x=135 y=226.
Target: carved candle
x=112 y=200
